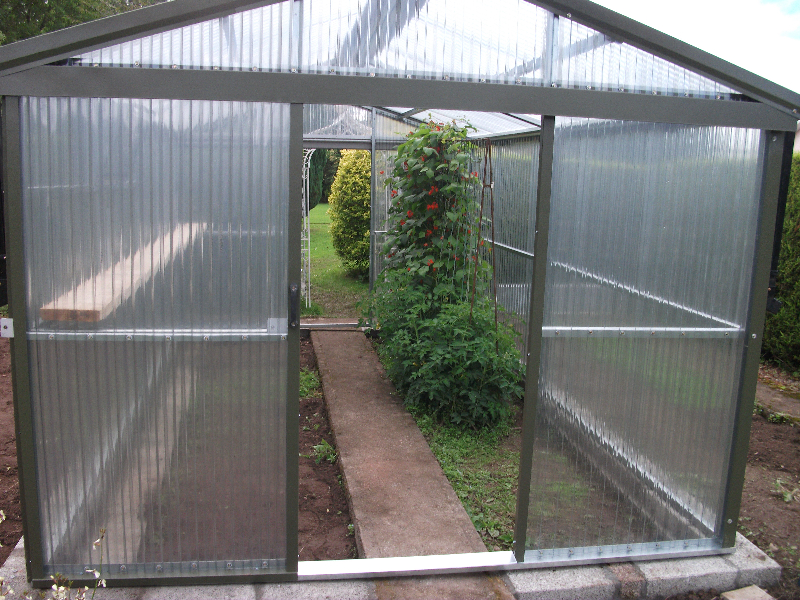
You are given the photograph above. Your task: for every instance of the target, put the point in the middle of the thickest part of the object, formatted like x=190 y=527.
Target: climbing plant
x=444 y=348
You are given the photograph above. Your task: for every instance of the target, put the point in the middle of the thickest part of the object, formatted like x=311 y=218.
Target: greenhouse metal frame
x=647 y=210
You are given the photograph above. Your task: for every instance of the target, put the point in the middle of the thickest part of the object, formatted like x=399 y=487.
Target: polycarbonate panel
x=586 y=58
x=514 y=42
x=513 y=179
x=651 y=248
x=337 y=122
x=156 y=265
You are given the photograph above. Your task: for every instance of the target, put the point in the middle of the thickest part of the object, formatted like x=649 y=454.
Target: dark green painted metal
x=535 y=318
x=625 y=29
x=23 y=416
x=69 y=42
x=773 y=144
x=135 y=581
x=373 y=186
x=293 y=370
x=193 y=84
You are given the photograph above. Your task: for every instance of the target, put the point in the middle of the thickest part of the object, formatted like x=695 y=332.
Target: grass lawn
x=333 y=292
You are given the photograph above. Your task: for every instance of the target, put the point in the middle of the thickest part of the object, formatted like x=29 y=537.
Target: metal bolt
x=169 y=337
x=174 y=66
x=518 y=81
x=683 y=333
x=283 y=337
x=446 y=77
x=229 y=565
x=372 y=74
x=588 y=87
x=726 y=334
x=622 y=333
x=244 y=337
x=294 y=70
x=794 y=110
x=483 y=80
x=95 y=65
x=51 y=337
x=332 y=71
x=652 y=333
x=255 y=69
x=557 y=333
x=90 y=336
x=264 y=564
x=658 y=545
x=205 y=338
x=630 y=547
x=129 y=337
x=655 y=93
x=719 y=97
x=194 y=565
x=621 y=89
x=123 y=569
x=591 y=332
x=569 y=15
x=774 y=138
x=159 y=568
x=686 y=94
x=409 y=77
x=136 y=63
x=571 y=551
x=753 y=336
x=215 y=68
x=553 y=85
x=730 y=521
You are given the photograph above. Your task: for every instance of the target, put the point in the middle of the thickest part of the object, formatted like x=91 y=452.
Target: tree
x=329 y=173
x=21 y=19
x=316 y=177
x=349 y=211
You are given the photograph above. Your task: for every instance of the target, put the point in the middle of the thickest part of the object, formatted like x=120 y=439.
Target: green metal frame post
x=773 y=144
x=20 y=363
x=535 y=318
x=293 y=371
x=372 y=197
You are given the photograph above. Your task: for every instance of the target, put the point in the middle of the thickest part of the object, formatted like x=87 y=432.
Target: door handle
x=294 y=305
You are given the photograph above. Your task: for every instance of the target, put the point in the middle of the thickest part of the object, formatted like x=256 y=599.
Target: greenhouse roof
x=552 y=46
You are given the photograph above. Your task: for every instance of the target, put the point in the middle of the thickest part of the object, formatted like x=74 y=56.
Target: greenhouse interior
x=156 y=236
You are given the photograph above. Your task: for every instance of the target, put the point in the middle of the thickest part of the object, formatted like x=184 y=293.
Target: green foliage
x=309 y=384
x=482 y=472
x=20 y=19
x=349 y=211
x=324 y=451
x=316 y=173
x=782 y=331
x=443 y=347
x=329 y=173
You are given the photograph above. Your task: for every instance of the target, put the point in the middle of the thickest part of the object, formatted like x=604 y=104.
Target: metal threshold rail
x=364 y=568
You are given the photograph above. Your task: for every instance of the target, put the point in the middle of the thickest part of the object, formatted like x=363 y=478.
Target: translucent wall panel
x=514 y=173
x=513 y=42
x=156 y=257
x=650 y=258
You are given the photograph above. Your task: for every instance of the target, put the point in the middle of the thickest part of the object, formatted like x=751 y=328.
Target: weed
x=4 y=311
x=779 y=418
x=351 y=530
x=324 y=451
x=785 y=492
x=309 y=384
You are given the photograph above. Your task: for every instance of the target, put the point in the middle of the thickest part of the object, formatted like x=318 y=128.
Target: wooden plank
x=97 y=297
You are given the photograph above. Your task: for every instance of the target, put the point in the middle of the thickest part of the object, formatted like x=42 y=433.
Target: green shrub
x=349 y=211
x=444 y=349
x=782 y=332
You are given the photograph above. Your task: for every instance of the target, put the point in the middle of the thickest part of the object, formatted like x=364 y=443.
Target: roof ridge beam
x=66 y=43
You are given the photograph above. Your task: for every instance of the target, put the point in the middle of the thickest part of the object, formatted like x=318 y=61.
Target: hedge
x=782 y=332
x=349 y=211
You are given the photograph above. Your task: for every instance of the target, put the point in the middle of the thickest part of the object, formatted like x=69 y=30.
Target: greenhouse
x=153 y=184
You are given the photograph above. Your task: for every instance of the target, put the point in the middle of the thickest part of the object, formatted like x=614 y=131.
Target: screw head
x=730 y=521
x=753 y=336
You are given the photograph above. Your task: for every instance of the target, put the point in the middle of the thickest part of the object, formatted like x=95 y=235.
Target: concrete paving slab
x=318 y=590
x=751 y=592
x=218 y=592
x=754 y=566
x=478 y=586
x=632 y=583
x=677 y=576
x=566 y=583
x=401 y=502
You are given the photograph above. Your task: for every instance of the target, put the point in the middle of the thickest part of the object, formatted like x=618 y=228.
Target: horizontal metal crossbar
x=654 y=332
x=165 y=335
x=258 y=86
